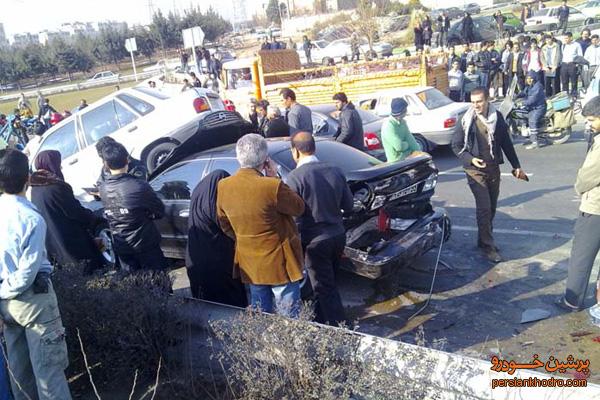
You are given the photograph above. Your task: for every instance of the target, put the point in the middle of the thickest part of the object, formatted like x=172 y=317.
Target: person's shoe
x=493 y=256
x=533 y=145
x=562 y=303
x=481 y=246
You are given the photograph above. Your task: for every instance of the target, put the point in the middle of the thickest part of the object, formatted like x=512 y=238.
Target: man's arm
x=505 y=142
x=30 y=262
x=288 y=202
x=588 y=176
x=149 y=200
x=224 y=220
x=293 y=119
x=345 y=128
x=458 y=143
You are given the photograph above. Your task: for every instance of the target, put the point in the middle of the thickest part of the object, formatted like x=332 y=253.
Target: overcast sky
x=36 y=15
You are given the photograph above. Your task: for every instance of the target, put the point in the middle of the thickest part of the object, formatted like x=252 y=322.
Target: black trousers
x=322 y=259
x=485 y=186
x=586 y=245
x=552 y=84
x=153 y=259
x=568 y=75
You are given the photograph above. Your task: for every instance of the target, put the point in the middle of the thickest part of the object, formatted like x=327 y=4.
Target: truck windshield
x=433 y=98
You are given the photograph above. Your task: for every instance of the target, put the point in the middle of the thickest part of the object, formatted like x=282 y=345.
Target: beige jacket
x=587 y=184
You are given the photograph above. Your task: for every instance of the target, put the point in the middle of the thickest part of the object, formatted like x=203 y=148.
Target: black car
x=401 y=191
x=473 y=8
x=484 y=28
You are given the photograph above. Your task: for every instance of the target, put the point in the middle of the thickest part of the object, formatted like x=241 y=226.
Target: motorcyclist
x=535 y=103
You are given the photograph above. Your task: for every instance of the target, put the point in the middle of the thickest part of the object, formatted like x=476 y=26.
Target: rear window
x=139 y=105
x=433 y=98
x=152 y=92
x=345 y=157
x=542 y=12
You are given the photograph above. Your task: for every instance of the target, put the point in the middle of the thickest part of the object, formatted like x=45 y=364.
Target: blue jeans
x=287 y=298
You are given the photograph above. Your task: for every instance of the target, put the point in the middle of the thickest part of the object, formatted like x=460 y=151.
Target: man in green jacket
x=586 y=241
x=397 y=140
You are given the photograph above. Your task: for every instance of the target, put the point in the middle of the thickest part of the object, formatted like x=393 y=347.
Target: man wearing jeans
x=586 y=242
x=35 y=337
x=257 y=212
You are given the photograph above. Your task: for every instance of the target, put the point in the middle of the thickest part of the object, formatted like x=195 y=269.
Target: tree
x=272 y=12
x=146 y=42
x=366 y=24
x=70 y=59
x=110 y=45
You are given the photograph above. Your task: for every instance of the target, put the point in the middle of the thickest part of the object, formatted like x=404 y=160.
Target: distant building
x=98 y=26
x=3 y=39
x=45 y=37
x=24 y=39
x=77 y=28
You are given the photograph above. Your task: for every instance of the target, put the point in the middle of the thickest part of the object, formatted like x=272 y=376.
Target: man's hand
x=270 y=168
x=520 y=174
x=478 y=162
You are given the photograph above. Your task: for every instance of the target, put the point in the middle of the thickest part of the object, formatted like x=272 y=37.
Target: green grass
x=69 y=100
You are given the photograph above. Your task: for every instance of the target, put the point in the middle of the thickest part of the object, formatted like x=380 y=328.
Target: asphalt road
x=476 y=306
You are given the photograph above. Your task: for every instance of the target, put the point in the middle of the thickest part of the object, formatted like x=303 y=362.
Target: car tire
x=108 y=254
x=157 y=154
x=424 y=143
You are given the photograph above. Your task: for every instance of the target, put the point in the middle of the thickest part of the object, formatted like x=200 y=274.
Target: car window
x=367 y=117
x=573 y=11
x=63 y=140
x=124 y=116
x=99 y=122
x=137 y=104
x=542 y=12
x=433 y=98
x=345 y=157
x=179 y=181
x=231 y=165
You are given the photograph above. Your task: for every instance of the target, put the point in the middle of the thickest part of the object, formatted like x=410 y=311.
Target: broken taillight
x=450 y=122
x=201 y=105
x=372 y=141
x=229 y=106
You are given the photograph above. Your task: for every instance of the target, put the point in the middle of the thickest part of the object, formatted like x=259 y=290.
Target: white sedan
x=323 y=50
x=104 y=76
x=148 y=122
x=431 y=116
x=546 y=19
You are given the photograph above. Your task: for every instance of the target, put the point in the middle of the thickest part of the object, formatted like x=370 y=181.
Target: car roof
x=239 y=63
x=399 y=91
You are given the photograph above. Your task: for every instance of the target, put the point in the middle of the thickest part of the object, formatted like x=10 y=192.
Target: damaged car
x=392 y=222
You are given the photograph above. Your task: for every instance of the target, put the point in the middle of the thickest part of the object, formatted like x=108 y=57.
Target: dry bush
x=126 y=322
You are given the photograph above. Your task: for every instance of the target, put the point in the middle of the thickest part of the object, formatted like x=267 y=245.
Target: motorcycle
x=556 y=123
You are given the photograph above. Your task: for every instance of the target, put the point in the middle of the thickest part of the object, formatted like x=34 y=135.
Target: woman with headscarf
x=209 y=255
x=68 y=239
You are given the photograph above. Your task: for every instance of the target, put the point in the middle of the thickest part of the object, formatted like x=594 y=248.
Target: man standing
x=456 y=82
x=268 y=251
x=551 y=59
x=442 y=27
x=276 y=125
x=467 y=29
x=261 y=111
x=563 y=17
x=252 y=115
x=484 y=64
x=130 y=206
x=298 y=117
x=184 y=57
x=350 y=131
x=585 y=41
x=568 y=69
x=33 y=330
x=354 y=47
x=586 y=242
x=592 y=56
x=321 y=226
x=397 y=140
x=481 y=138
x=307 y=46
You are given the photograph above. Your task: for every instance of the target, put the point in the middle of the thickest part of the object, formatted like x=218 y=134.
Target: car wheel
x=424 y=143
x=108 y=252
x=560 y=137
x=158 y=154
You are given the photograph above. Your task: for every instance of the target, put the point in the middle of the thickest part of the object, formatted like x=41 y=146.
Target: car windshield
x=541 y=13
x=433 y=98
x=321 y=43
x=344 y=157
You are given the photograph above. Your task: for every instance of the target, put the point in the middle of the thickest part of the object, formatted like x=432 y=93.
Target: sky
x=37 y=15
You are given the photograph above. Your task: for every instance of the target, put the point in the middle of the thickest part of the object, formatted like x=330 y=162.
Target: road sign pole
x=133 y=63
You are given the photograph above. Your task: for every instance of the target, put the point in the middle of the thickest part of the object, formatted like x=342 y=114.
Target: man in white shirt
x=568 y=70
x=592 y=55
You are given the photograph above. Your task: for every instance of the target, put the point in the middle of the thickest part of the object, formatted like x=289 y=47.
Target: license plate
x=409 y=190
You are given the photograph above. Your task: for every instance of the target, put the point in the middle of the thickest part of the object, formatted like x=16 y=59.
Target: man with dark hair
x=33 y=330
x=551 y=58
x=252 y=115
x=586 y=241
x=563 y=17
x=321 y=226
x=484 y=64
x=130 y=206
x=350 y=130
x=135 y=167
x=585 y=40
x=479 y=141
x=298 y=117
x=568 y=70
x=261 y=110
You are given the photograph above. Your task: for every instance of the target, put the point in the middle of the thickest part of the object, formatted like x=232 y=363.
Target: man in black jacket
x=481 y=138
x=350 y=131
x=276 y=125
x=484 y=64
x=130 y=206
x=321 y=227
x=135 y=167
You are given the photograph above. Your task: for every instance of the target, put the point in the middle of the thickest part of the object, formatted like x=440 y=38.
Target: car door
x=64 y=140
x=175 y=187
x=415 y=120
x=109 y=118
x=576 y=18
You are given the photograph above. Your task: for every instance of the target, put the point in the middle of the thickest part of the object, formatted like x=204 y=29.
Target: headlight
x=430 y=182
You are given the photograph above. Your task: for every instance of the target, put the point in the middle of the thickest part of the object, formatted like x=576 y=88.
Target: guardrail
x=81 y=85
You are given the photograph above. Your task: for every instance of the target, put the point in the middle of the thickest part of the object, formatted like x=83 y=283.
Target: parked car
x=323 y=50
x=591 y=9
x=431 y=116
x=162 y=64
x=455 y=13
x=402 y=189
x=472 y=8
x=147 y=122
x=326 y=123
x=108 y=76
x=546 y=19
x=485 y=28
